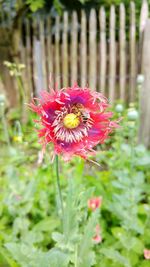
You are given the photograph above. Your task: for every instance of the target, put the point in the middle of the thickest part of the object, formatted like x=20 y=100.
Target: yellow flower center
x=71 y=121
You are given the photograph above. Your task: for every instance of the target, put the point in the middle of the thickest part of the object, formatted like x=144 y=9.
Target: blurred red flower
x=94 y=203
x=74 y=119
x=147 y=254
x=97 y=237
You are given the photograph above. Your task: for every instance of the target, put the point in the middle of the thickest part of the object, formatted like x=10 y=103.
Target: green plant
x=30 y=232
x=73 y=246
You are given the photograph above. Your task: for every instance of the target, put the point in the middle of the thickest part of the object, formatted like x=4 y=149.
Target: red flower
x=147 y=254
x=74 y=120
x=97 y=238
x=94 y=203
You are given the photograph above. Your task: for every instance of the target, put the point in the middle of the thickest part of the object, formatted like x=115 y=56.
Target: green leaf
x=137 y=245
x=57 y=258
x=28 y=256
x=145 y=263
x=8 y=259
x=58 y=6
x=46 y=225
x=118 y=232
x=20 y=253
x=115 y=256
x=86 y=255
x=127 y=241
x=35 y=4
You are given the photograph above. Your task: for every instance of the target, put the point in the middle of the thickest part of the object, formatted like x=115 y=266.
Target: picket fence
x=89 y=49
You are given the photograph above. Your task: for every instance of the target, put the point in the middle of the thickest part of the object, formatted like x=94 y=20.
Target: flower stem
x=4 y=123
x=76 y=256
x=58 y=186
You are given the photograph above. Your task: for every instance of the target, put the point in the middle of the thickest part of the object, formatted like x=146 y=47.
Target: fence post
x=112 y=54
x=103 y=50
x=142 y=24
x=92 y=50
x=122 y=54
x=28 y=55
x=50 y=57
x=143 y=16
x=42 y=42
x=144 y=129
x=57 y=52
x=74 y=48
x=83 y=49
x=133 y=67
x=65 y=49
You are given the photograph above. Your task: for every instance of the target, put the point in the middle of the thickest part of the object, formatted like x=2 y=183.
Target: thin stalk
x=76 y=256
x=58 y=186
x=4 y=123
x=132 y=151
x=21 y=89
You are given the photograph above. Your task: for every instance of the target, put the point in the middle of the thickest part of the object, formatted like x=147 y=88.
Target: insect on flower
x=74 y=119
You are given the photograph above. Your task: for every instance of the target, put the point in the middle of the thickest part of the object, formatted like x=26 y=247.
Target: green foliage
x=74 y=237
x=86 y=256
x=28 y=256
x=35 y=4
x=32 y=235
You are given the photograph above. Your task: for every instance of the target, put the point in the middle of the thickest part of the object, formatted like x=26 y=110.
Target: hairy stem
x=58 y=186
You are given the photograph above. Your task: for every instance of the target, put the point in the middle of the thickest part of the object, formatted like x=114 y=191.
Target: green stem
x=132 y=151
x=58 y=186
x=76 y=256
x=5 y=128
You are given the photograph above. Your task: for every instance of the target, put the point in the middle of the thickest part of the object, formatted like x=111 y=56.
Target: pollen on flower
x=71 y=121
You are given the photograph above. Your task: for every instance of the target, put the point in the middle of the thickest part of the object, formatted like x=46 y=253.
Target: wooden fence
x=88 y=49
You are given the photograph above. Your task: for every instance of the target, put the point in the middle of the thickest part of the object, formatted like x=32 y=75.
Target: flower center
x=71 y=121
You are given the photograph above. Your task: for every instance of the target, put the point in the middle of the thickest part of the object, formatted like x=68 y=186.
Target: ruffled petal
x=93 y=129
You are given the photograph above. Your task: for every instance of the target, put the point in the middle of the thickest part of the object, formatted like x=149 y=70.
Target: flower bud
x=132 y=115
x=147 y=254
x=119 y=108
x=94 y=203
x=2 y=98
x=140 y=79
